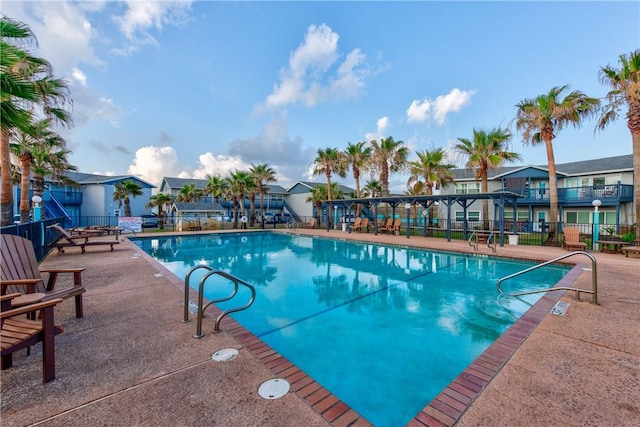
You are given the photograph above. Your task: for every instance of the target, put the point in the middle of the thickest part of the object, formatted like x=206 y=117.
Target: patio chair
x=20 y=273
x=311 y=223
x=395 y=228
x=571 y=239
x=68 y=240
x=387 y=225
x=364 y=225
x=19 y=332
x=356 y=224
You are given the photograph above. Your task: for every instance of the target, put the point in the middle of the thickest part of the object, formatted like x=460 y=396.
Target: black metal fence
x=38 y=232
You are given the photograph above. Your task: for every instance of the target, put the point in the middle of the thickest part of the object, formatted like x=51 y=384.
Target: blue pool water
x=383 y=328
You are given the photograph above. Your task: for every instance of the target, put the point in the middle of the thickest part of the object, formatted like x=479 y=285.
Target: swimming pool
x=383 y=328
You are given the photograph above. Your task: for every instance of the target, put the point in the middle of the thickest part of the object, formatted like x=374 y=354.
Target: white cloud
x=212 y=164
x=308 y=79
x=79 y=76
x=142 y=16
x=381 y=127
x=153 y=163
x=423 y=110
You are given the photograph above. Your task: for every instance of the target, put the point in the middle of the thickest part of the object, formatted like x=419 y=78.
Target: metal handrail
x=474 y=242
x=201 y=309
x=594 y=278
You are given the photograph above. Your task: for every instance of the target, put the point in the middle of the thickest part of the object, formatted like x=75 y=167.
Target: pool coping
x=447 y=407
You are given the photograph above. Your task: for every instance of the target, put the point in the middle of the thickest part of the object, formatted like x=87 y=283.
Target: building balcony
x=610 y=194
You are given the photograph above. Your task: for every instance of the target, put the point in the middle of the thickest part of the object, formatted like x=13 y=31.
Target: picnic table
x=611 y=246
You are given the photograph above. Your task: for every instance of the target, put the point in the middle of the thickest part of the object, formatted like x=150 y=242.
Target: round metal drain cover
x=273 y=389
x=224 y=355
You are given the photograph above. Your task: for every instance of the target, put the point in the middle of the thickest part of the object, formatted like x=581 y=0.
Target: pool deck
x=131 y=361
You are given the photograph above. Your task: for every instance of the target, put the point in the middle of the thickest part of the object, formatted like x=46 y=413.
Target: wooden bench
x=630 y=249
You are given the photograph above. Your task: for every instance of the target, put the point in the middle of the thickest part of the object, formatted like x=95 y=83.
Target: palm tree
x=160 y=201
x=358 y=156
x=388 y=156
x=123 y=191
x=625 y=91
x=189 y=193
x=241 y=182
x=431 y=165
x=540 y=118
x=328 y=161
x=485 y=151
x=318 y=195
x=24 y=145
x=27 y=83
x=50 y=159
x=262 y=174
x=372 y=188
x=419 y=188
x=216 y=187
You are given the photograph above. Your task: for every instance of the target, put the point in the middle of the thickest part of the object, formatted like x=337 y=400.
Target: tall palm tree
x=263 y=174
x=540 y=118
x=327 y=162
x=160 y=201
x=388 y=156
x=27 y=84
x=241 y=183
x=485 y=151
x=625 y=91
x=123 y=191
x=358 y=155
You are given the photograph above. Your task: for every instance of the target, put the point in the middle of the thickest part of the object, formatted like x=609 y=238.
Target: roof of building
x=198 y=207
x=583 y=167
x=312 y=184
x=177 y=183
x=92 y=178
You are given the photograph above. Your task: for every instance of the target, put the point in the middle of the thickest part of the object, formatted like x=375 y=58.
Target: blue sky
x=194 y=88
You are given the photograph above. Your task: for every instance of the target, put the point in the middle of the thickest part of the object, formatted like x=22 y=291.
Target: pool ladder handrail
x=594 y=278
x=474 y=242
x=212 y=272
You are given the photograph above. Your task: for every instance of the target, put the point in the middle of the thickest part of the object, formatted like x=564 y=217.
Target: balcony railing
x=606 y=193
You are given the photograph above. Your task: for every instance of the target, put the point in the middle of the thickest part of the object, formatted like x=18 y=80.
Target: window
x=522 y=215
x=598 y=182
x=471 y=215
x=578 y=217
x=470 y=188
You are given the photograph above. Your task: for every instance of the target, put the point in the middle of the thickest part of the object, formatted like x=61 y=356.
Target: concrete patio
x=131 y=361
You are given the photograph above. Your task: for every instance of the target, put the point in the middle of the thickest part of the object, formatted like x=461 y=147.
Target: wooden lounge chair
x=387 y=225
x=311 y=223
x=364 y=225
x=572 y=239
x=19 y=332
x=395 y=228
x=356 y=224
x=20 y=273
x=67 y=240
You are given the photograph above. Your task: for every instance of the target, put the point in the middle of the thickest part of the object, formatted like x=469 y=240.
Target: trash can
x=344 y=226
x=513 y=239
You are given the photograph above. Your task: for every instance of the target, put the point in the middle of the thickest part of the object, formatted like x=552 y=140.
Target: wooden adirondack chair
x=19 y=332
x=387 y=226
x=20 y=273
x=68 y=240
x=572 y=239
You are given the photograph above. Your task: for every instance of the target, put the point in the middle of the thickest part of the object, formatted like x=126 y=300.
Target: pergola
x=500 y=200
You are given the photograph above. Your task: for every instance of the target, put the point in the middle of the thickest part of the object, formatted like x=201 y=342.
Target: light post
x=408 y=207
x=37 y=210
x=596 y=226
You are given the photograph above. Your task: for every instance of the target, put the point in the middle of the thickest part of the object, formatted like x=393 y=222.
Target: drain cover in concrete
x=224 y=355
x=560 y=308
x=273 y=389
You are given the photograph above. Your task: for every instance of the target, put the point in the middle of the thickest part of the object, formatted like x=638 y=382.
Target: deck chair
x=20 y=273
x=397 y=223
x=356 y=224
x=68 y=240
x=387 y=225
x=311 y=223
x=572 y=239
x=364 y=225
x=19 y=332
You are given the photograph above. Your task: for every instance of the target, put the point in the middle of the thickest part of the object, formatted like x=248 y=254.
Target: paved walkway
x=131 y=361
